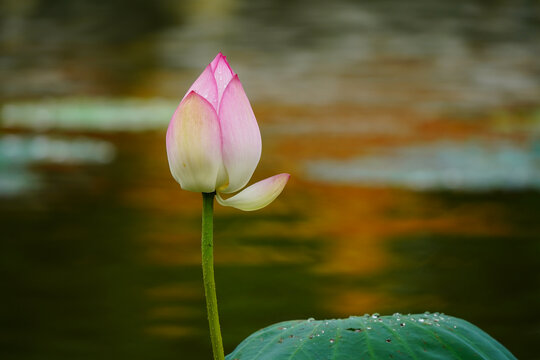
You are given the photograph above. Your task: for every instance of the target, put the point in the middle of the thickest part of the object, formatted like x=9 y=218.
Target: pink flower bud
x=214 y=142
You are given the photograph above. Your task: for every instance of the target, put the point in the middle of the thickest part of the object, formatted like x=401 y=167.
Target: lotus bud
x=214 y=143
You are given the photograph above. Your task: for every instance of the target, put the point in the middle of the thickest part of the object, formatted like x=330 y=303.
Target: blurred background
x=411 y=130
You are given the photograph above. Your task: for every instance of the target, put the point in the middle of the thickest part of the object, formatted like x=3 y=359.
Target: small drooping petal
x=194 y=144
x=223 y=75
x=241 y=138
x=206 y=86
x=258 y=195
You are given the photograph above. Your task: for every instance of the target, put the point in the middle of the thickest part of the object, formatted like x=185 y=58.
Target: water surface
x=411 y=133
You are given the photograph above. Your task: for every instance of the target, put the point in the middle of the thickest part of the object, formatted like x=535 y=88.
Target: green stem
x=207 y=249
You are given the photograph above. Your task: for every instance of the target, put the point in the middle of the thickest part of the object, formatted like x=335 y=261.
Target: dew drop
x=375 y=316
x=310 y=319
x=331 y=341
x=402 y=324
x=388 y=340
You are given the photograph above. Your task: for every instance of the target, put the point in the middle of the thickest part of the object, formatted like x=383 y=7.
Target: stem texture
x=207 y=248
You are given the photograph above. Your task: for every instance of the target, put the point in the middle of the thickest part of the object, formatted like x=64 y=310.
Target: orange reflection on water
x=358 y=302
x=334 y=232
x=354 y=221
x=173 y=331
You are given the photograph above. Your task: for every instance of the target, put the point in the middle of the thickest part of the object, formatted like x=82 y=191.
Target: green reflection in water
x=78 y=282
x=490 y=281
x=78 y=287
x=72 y=283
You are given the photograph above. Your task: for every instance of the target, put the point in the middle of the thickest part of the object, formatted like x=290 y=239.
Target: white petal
x=241 y=138
x=258 y=195
x=194 y=144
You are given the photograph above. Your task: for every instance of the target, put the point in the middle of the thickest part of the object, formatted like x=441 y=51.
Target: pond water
x=411 y=132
